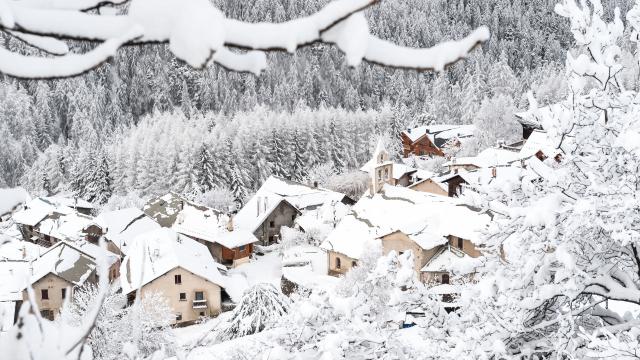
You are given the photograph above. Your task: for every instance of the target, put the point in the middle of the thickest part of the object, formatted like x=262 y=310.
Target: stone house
x=63 y=268
x=178 y=268
x=279 y=202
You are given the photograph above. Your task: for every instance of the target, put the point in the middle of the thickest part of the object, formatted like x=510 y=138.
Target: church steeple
x=381 y=169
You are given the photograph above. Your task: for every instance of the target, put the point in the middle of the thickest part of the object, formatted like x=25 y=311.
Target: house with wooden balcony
x=434 y=140
x=177 y=267
x=214 y=229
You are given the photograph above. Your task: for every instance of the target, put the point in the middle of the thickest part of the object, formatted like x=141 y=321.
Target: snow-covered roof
x=122 y=226
x=450 y=260
x=66 y=227
x=69 y=202
x=11 y=198
x=257 y=209
x=535 y=118
x=38 y=209
x=426 y=218
x=440 y=134
x=276 y=190
x=17 y=250
x=487 y=158
x=209 y=225
x=235 y=238
x=155 y=253
x=300 y=195
x=14 y=276
x=73 y=262
x=539 y=141
x=165 y=209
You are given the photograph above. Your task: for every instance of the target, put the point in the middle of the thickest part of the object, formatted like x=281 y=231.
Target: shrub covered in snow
x=353 y=183
x=261 y=307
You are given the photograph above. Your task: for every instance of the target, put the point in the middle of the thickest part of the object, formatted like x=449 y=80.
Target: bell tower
x=381 y=169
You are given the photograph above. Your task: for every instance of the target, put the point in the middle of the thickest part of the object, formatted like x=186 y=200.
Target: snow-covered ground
x=306 y=265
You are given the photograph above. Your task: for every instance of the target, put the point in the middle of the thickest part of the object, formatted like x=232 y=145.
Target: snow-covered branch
x=198 y=33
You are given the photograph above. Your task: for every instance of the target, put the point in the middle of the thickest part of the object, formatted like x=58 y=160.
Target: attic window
x=44 y=294
x=272 y=224
x=177 y=279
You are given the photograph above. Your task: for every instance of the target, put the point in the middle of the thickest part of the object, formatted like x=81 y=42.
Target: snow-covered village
x=335 y=179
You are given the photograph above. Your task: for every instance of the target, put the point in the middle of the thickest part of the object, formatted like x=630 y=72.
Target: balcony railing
x=200 y=304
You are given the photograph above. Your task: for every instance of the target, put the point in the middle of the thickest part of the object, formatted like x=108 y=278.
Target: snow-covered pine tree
x=338 y=149
x=300 y=157
x=203 y=170
x=237 y=186
x=185 y=100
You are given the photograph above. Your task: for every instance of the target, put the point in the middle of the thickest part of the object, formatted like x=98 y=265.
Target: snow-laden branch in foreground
x=198 y=33
x=68 y=65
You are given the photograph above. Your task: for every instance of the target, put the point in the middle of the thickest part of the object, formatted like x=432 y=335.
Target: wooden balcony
x=200 y=304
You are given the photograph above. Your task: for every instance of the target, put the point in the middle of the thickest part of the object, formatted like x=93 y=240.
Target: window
x=386 y=173
x=337 y=263
x=241 y=248
x=354 y=263
x=293 y=217
x=199 y=295
x=183 y=296
x=179 y=317
x=445 y=278
x=460 y=243
x=47 y=314
x=201 y=313
x=272 y=224
x=177 y=279
x=44 y=294
x=271 y=238
x=64 y=294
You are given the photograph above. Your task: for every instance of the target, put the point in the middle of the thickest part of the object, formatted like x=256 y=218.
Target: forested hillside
x=71 y=119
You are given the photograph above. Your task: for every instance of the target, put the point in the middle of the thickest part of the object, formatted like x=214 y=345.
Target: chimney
x=24 y=252
x=494 y=172
x=266 y=203
x=258 y=205
x=409 y=131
